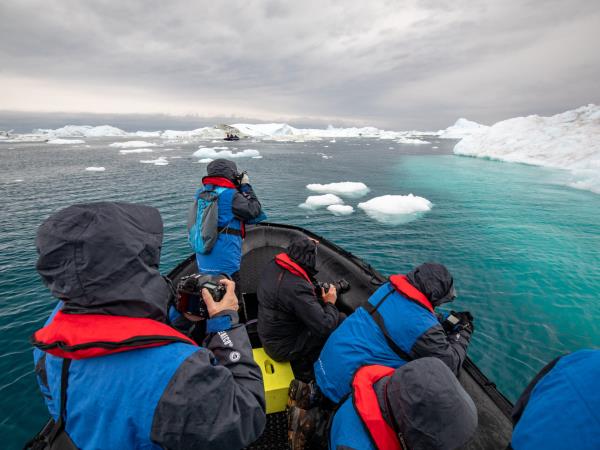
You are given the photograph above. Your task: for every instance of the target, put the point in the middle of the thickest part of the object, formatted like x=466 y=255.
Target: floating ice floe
x=214 y=153
x=406 y=140
x=148 y=134
x=332 y=141
x=136 y=150
x=395 y=209
x=160 y=161
x=82 y=131
x=324 y=156
x=351 y=189
x=257 y=157
x=462 y=128
x=570 y=140
x=133 y=144
x=65 y=141
x=319 y=201
x=340 y=210
x=19 y=180
x=205 y=160
x=95 y=169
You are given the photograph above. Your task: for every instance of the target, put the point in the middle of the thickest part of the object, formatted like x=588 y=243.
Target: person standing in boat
x=396 y=325
x=560 y=408
x=237 y=206
x=292 y=323
x=113 y=373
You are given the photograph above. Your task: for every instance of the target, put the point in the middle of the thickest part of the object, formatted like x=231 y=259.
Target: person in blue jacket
x=113 y=373
x=560 y=408
x=238 y=206
x=396 y=325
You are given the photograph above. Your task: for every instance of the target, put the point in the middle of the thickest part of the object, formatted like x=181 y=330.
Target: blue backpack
x=203 y=220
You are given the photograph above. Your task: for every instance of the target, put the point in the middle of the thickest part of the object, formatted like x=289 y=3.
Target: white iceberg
x=395 y=209
x=205 y=160
x=133 y=144
x=318 y=201
x=257 y=157
x=406 y=140
x=82 y=131
x=204 y=133
x=148 y=134
x=160 y=161
x=462 y=128
x=136 y=150
x=351 y=189
x=65 y=141
x=214 y=153
x=570 y=140
x=95 y=169
x=340 y=210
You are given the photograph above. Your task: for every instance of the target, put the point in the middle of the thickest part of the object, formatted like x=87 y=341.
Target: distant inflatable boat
x=232 y=138
x=263 y=242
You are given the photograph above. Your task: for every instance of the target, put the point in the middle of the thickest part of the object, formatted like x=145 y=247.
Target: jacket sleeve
x=320 y=319
x=216 y=398
x=451 y=349
x=245 y=205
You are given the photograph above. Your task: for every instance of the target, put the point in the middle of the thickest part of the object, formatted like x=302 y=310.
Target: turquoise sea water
x=523 y=248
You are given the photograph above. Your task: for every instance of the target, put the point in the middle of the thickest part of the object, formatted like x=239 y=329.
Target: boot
x=304 y=395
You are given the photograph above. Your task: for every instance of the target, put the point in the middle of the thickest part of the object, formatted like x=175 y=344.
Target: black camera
x=189 y=293
x=238 y=177
x=341 y=286
x=457 y=321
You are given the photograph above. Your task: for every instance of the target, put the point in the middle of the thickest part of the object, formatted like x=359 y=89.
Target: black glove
x=466 y=321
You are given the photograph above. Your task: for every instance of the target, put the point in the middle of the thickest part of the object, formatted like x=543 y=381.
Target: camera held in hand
x=341 y=286
x=458 y=321
x=189 y=293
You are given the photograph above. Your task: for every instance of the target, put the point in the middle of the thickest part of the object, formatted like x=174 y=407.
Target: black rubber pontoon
x=264 y=241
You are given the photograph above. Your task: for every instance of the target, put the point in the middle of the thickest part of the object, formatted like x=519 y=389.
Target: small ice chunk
x=18 y=180
x=95 y=169
x=133 y=144
x=318 y=201
x=66 y=141
x=435 y=146
x=257 y=157
x=351 y=189
x=205 y=160
x=175 y=157
x=340 y=210
x=395 y=209
x=405 y=140
x=160 y=161
x=136 y=150
x=212 y=152
x=332 y=141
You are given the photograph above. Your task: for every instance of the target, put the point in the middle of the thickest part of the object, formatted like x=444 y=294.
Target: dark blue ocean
x=524 y=248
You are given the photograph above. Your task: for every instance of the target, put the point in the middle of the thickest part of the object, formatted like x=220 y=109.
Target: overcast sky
x=392 y=64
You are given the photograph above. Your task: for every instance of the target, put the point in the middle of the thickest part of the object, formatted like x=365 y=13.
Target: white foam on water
x=160 y=161
x=351 y=189
x=319 y=201
x=340 y=210
x=133 y=144
x=65 y=141
x=136 y=150
x=395 y=209
x=212 y=152
x=95 y=169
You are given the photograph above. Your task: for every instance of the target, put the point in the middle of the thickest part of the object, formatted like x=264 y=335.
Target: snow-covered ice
x=351 y=189
x=133 y=144
x=318 y=201
x=205 y=160
x=462 y=128
x=213 y=152
x=135 y=150
x=65 y=141
x=95 y=169
x=340 y=210
x=82 y=131
x=257 y=157
x=395 y=209
x=160 y=161
x=406 y=140
x=570 y=140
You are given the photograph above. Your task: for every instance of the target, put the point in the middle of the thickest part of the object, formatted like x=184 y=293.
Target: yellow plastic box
x=277 y=377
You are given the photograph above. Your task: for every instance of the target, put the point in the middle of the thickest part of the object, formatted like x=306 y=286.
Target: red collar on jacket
x=368 y=409
x=219 y=181
x=283 y=260
x=402 y=285
x=79 y=336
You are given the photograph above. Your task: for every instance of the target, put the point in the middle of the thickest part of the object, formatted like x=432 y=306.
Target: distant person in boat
x=293 y=323
x=560 y=408
x=237 y=205
x=129 y=380
x=396 y=325
x=420 y=405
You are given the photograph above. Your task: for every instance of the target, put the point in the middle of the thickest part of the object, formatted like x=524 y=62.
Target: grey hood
x=434 y=281
x=222 y=168
x=429 y=406
x=304 y=251
x=102 y=258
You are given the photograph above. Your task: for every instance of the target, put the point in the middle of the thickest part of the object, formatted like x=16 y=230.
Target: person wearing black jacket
x=293 y=324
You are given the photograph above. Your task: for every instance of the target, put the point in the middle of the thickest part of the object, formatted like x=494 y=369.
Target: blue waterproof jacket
x=560 y=409
x=360 y=341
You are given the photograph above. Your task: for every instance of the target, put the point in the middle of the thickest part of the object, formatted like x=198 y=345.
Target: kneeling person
x=292 y=323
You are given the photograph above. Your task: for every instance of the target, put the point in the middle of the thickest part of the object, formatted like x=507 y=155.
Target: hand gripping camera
x=189 y=293
x=341 y=286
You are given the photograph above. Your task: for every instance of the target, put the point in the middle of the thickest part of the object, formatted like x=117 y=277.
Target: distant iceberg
x=95 y=169
x=349 y=189
x=406 y=140
x=395 y=209
x=133 y=144
x=136 y=150
x=462 y=128
x=66 y=141
x=211 y=152
x=319 y=201
x=82 y=131
x=340 y=210
x=570 y=140
x=160 y=161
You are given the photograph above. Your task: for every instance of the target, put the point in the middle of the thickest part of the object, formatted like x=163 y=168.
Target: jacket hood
x=304 y=251
x=434 y=281
x=102 y=258
x=222 y=168
x=429 y=405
